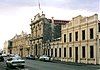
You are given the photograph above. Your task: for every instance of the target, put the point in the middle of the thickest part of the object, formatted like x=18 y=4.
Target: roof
x=62 y=22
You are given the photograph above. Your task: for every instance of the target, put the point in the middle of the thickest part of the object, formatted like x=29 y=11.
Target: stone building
x=43 y=32
x=7 y=49
x=80 y=41
x=39 y=29
x=21 y=44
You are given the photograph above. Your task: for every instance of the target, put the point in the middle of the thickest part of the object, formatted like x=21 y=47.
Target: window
x=70 y=51
x=64 y=37
x=39 y=27
x=91 y=33
x=64 y=52
x=99 y=27
x=64 y=26
x=70 y=37
x=55 y=52
x=99 y=49
x=59 y=52
x=51 y=52
x=99 y=42
x=91 y=52
x=83 y=34
x=76 y=36
x=83 y=51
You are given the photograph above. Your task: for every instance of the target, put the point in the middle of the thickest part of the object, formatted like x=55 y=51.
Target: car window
x=16 y=58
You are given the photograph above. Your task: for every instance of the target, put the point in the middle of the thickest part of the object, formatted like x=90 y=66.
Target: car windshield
x=16 y=58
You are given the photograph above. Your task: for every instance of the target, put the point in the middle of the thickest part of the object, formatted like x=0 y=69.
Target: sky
x=16 y=15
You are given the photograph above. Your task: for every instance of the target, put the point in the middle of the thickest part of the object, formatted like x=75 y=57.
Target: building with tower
x=43 y=31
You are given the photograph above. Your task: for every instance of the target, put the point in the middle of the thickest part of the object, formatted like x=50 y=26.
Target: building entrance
x=76 y=54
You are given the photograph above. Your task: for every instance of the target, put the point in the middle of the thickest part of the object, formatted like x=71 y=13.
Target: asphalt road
x=40 y=65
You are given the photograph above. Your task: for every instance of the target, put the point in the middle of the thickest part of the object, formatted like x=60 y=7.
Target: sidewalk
x=77 y=64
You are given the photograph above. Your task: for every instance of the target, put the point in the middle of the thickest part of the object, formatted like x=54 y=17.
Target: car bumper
x=15 y=65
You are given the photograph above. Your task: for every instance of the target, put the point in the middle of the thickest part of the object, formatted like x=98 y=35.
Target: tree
x=57 y=31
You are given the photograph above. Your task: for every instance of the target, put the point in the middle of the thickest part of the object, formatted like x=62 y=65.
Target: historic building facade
x=80 y=41
x=38 y=26
x=21 y=44
x=7 y=49
x=43 y=31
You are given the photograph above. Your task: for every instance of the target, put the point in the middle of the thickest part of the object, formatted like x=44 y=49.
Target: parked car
x=11 y=55
x=4 y=55
x=1 y=58
x=45 y=58
x=30 y=57
x=15 y=61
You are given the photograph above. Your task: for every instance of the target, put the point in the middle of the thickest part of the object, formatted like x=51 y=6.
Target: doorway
x=76 y=54
x=35 y=49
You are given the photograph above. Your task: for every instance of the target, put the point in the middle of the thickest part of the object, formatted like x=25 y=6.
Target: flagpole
x=39 y=5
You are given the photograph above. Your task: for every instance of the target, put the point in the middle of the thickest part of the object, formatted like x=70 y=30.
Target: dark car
x=1 y=58
x=30 y=57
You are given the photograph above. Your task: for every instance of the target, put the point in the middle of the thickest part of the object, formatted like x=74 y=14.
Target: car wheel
x=7 y=65
x=44 y=59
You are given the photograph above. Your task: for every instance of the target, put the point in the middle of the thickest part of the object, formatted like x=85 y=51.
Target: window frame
x=91 y=51
x=83 y=34
x=64 y=52
x=51 y=52
x=59 y=52
x=83 y=52
x=98 y=27
x=70 y=37
x=64 y=38
x=76 y=36
x=55 y=52
x=91 y=33
x=70 y=52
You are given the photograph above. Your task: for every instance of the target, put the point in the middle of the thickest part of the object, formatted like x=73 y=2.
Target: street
x=40 y=65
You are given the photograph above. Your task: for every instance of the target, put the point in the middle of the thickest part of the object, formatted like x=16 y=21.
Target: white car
x=11 y=55
x=4 y=55
x=15 y=62
x=45 y=58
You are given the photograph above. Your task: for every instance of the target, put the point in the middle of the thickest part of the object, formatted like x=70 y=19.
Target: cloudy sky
x=15 y=15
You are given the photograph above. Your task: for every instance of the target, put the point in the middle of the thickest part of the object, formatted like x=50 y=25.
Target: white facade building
x=80 y=41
